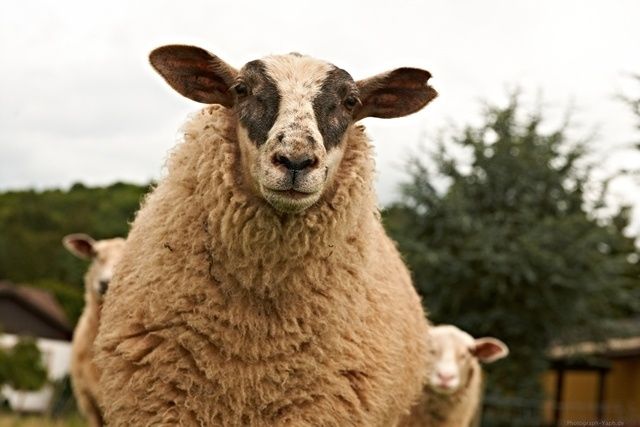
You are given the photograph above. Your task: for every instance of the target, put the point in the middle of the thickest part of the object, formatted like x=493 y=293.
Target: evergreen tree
x=512 y=248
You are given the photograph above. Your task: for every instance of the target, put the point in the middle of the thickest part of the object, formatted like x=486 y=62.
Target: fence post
x=557 y=409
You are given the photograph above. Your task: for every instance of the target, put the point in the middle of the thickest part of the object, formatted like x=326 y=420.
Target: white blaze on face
x=299 y=79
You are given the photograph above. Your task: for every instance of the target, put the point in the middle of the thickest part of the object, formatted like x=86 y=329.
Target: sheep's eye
x=351 y=102
x=241 y=89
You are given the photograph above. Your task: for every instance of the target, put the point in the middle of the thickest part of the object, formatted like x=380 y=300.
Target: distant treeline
x=33 y=223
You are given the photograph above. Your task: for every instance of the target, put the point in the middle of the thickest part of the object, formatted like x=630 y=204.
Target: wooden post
x=601 y=384
x=557 y=410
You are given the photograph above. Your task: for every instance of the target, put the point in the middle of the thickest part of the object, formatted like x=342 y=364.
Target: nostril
x=279 y=159
x=310 y=162
x=294 y=164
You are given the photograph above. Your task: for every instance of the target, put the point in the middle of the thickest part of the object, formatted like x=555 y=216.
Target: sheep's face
x=293 y=113
x=104 y=256
x=456 y=355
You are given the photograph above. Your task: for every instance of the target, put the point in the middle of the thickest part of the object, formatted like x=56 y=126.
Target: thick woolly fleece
x=225 y=312
x=85 y=376
x=460 y=409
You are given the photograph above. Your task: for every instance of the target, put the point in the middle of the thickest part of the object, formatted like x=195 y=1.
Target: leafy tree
x=4 y=366
x=33 y=223
x=513 y=247
x=26 y=370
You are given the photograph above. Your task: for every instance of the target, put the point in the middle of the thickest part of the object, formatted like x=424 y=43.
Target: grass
x=8 y=419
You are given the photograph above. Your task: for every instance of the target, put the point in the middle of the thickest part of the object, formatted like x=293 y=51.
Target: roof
x=39 y=303
x=614 y=338
x=612 y=347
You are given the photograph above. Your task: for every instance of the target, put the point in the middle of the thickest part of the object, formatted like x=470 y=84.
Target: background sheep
x=104 y=255
x=261 y=288
x=453 y=395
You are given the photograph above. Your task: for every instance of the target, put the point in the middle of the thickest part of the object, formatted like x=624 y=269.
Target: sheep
x=452 y=396
x=258 y=286
x=104 y=255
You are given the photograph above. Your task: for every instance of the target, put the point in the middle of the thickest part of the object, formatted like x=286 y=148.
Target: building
x=595 y=382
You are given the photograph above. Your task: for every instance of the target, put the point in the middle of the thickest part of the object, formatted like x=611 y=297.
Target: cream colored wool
x=226 y=312
x=457 y=410
x=84 y=373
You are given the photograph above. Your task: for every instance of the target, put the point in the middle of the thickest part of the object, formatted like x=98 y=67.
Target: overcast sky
x=79 y=101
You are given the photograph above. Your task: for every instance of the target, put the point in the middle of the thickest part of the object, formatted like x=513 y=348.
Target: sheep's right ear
x=195 y=73
x=489 y=349
x=396 y=93
x=81 y=245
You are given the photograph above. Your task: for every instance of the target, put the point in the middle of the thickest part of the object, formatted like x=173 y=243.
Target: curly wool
x=225 y=312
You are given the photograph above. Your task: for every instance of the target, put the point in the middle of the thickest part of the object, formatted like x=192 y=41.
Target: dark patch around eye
x=332 y=118
x=258 y=111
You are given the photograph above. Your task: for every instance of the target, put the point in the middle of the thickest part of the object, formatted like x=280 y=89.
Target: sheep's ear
x=81 y=245
x=489 y=349
x=195 y=73
x=396 y=93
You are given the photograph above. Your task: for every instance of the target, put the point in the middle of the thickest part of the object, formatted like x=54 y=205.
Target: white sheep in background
x=104 y=255
x=452 y=397
x=258 y=286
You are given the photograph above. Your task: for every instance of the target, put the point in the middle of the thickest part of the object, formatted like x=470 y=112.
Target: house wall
x=623 y=390
x=580 y=395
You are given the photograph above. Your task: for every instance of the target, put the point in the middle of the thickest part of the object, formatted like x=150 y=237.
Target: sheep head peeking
x=293 y=113
x=103 y=254
x=458 y=356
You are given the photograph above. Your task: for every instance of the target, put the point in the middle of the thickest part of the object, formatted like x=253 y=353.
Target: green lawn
x=14 y=420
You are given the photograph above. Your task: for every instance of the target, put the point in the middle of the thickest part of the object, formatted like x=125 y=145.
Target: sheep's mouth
x=290 y=200
x=293 y=194
x=444 y=389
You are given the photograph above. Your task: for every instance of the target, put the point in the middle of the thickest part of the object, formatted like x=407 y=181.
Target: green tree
x=32 y=225
x=4 y=366
x=26 y=370
x=512 y=247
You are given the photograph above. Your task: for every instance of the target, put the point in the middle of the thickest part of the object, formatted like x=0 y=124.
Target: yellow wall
x=623 y=389
x=580 y=396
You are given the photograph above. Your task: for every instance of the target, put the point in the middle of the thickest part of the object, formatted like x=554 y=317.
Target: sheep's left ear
x=396 y=93
x=195 y=73
x=81 y=245
x=489 y=349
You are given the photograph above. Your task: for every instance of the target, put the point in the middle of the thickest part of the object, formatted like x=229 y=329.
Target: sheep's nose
x=103 y=285
x=445 y=378
x=295 y=163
